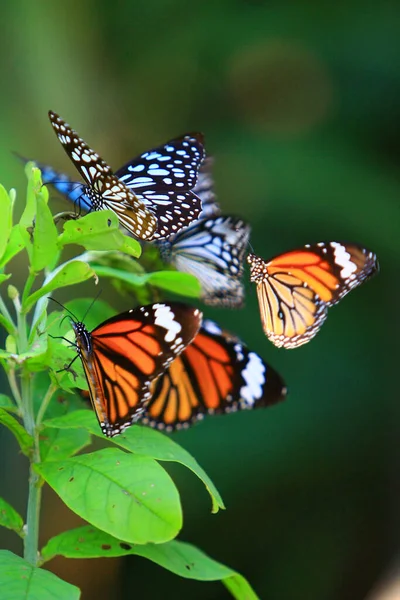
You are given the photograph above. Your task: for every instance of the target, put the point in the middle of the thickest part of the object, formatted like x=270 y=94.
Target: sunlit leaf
x=143 y=441
x=10 y=518
x=171 y=281
x=15 y=244
x=19 y=580
x=99 y=230
x=70 y=273
x=44 y=249
x=130 y=497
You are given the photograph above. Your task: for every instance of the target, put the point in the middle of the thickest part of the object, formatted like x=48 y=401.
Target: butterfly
x=296 y=289
x=216 y=373
x=123 y=355
x=213 y=250
x=162 y=179
x=103 y=189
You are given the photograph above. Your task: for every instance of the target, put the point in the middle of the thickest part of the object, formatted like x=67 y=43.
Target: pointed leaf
x=181 y=558
x=10 y=518
x=45 y=249
x=15 y=244
x=130 y=497
x=143 y=441
x=70 y=273
x=23 y=438
x=171 y=281
x=99 y=231
x=19 y=580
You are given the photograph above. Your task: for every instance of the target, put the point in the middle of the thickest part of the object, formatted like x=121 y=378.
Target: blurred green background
x=300 y=106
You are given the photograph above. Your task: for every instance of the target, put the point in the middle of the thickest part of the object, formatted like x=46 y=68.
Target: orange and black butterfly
x=122 y=356
x=296 y=289
x=215 y=374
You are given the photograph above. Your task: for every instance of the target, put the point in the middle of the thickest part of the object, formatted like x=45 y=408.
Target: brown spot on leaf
x=125 y=546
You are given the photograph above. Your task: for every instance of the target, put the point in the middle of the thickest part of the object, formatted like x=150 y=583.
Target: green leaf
x=4 y=277
x=143 y=441
x=7 y=404
x=57 y=444
x=10 y=518
x=69 y=273
x=171 y=281
x=15 y=244
x=130 y=497
x=99 y=230
x=19 y=580
x=23 y=438
x=34 y=186
x=181 y=558
x=45 y=251
x=6 y=219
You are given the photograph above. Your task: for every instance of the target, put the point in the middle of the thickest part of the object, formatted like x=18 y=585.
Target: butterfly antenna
x=91 y=304
x=250 y=246
x=64 y=308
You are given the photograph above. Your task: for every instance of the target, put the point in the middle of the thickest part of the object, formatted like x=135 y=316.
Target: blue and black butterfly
x=158 y=183
x=212 y=248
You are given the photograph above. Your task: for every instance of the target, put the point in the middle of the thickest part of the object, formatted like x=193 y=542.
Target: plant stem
x=28 y=287
x=15 y=390
x=31 y=540
x=4 y=311
x=45 y=403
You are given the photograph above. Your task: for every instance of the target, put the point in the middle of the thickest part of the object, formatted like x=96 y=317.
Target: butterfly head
x=258 y=268
x=83 y=338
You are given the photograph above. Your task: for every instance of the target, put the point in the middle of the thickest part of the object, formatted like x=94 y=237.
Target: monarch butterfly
x=159 y=182
x=124 y=354
x=216 y=373
x=296 y=289
x=103 y=189
x=212 y=248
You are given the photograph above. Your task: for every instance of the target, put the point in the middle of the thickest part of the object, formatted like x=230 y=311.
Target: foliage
x=129 y=501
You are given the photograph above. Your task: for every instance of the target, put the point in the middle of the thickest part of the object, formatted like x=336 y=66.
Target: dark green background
x=299 y=103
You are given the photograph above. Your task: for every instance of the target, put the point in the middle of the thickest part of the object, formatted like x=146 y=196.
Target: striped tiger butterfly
x=295 y=289
x=215 y=374
x=124 y=354
x=161 y=180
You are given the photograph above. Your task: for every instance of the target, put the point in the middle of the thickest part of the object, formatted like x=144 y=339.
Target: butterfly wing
x=104 y=190
x=295 y=289
x=73 y=190
x=215 y=374
x=204 y=189
x=212 y=250
x=164 y=178
x=126 y=353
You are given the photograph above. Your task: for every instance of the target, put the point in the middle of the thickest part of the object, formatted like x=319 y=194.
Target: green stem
x=5 y=312
x=27 y=288
x=15 y=390
x=31 y=540
x=45 y=403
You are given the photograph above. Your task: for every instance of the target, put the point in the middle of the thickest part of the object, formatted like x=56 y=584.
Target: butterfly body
x=215 y=374
x=123 y=355
x=296 y=289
